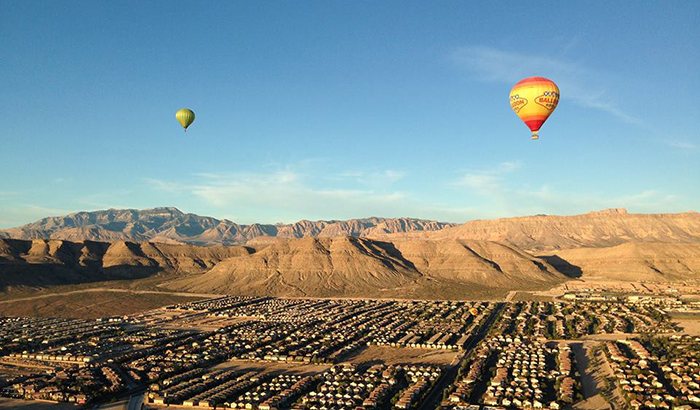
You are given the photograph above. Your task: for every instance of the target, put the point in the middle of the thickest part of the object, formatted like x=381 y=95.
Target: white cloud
x=683 y=145
x=286 y=195
x=577 y=83
x=165 y=186
x=113 y=199
x=496 y=194
x=545 y=199
x=20 y=214
x=7 y=194
x=371 y=178
x=479 y=182
x=489 y=186
x=486 y=181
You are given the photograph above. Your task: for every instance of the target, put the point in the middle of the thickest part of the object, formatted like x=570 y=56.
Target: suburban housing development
x=304 y=353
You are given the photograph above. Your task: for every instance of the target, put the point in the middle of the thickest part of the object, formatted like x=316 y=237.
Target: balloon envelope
x=185 y=117
x=534 y=99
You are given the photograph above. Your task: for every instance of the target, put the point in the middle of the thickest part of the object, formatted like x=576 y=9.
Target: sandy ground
x=267 y=367
x=599 y=285
x=531 y=296
x=110 y=290
x=367 y=356
x=690 y=326
x=396 y=355
x=591 y=381
x=90 y=304
x=6 y=403
x=610 y=336
x=601 y=370
x=596 y=402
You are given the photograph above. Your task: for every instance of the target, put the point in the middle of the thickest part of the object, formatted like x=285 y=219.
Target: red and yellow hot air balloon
x=534 y=99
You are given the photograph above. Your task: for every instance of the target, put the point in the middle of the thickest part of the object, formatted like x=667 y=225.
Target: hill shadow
x=47 y=274
x=393 y=252
x=563 y=266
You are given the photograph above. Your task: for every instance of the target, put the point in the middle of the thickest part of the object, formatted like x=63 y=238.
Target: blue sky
x=338 y=109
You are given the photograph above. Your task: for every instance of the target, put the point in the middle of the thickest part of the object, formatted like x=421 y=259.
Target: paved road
x=117 y=290
x=435 y=396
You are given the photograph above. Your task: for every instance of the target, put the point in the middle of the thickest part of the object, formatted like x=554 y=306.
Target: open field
x=531 y=296
x=90 y=304
x=592 y=382
x=123 y=297
x=149 y=283
x=623 y=287
x=269 y=367
x=690 y=326
x=403 y=355
x=591 y=365
x=690 y=322
x=6 y=403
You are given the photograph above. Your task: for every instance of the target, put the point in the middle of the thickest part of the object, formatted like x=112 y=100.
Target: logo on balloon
x=517 y=102
x=548 y=100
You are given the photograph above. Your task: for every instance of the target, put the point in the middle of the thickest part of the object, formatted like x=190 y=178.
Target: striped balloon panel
x=533 y=99
x=185 y=117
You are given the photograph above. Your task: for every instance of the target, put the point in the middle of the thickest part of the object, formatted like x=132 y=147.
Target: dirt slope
x=41 y=262
x=595 y=229
x=347 y=266
x=638 y=261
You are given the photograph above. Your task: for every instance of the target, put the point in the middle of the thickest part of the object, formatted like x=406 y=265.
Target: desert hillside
x=637 y=261
x=533 y=233
x=348 y=266
x=477 y=262
x=42 y=262
x=359 y=257
x=596 y=229
x=309 y=266
x=339 y=266
x=170 y=225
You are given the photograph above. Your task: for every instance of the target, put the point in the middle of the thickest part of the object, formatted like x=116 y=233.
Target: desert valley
x=341 y=205
x=158 y=308
x=166 y=249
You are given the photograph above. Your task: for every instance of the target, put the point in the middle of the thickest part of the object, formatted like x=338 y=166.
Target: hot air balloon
x=185 y=117
x=534 y=99
x=474 y=311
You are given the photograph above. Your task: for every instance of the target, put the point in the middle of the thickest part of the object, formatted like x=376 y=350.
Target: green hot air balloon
x=185 y=117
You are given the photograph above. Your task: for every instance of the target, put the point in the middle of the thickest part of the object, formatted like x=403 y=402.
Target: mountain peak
x=607 y=227
x=610 y=211
x=169 y=224
x=166 y=208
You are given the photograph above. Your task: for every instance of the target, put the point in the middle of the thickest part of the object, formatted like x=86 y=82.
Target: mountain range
x=174 y=226
x=347 y=266
x=338 y=266
x=605 y=228
x=371 y=257
x=39 y=262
